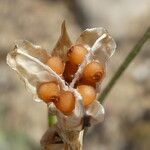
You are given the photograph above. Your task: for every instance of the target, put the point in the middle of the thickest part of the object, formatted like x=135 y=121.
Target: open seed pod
x=29 y=61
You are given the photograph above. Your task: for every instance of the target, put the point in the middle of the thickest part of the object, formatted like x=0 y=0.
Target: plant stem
x=51 y=119
x=136 y=49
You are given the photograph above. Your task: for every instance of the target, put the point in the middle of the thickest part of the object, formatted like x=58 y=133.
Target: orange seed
x=66 y=102
x=48 y=91
x=56 y=64
x=93 y=72
x=88 y=94
x=70 y=70
x=76 y=54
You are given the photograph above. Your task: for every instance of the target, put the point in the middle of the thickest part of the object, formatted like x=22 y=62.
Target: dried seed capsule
x=93 y=72
x=48 y=91
x=76 y=54
x=70 y=70
x=88 y=94
x=66 y=102
x=56 y=64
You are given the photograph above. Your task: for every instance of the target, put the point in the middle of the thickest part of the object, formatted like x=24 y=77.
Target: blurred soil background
x=127 y=121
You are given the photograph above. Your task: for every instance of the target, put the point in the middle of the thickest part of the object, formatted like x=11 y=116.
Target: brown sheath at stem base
x=51 y=140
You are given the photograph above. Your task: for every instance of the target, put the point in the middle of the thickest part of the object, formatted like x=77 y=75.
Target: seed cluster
x=92 y=73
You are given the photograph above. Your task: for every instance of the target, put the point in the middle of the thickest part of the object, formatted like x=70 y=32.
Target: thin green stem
x=136 y=49
x=51 y=119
